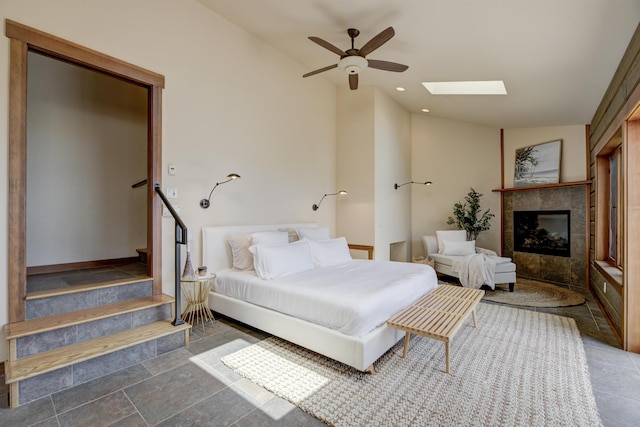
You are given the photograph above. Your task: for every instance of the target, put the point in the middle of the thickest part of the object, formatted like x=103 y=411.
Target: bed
x=347 y=340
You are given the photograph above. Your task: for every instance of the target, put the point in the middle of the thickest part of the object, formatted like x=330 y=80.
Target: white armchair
x=505 y=270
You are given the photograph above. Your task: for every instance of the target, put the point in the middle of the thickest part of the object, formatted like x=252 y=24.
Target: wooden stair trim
x=85 y=288
x=31 y=366
x=63 y=320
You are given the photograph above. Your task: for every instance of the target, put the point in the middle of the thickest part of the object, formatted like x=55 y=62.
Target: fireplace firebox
x=542 y=232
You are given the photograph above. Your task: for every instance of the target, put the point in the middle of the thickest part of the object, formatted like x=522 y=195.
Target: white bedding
x=354 y=297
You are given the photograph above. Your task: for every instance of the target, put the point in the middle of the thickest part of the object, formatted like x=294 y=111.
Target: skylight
x=491 y=87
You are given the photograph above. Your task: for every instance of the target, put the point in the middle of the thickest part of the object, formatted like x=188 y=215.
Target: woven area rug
x=531 y=293
x=518 y=368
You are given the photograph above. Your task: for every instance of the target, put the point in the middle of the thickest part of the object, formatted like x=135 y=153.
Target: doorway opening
x=24 y=42
x=86 y=146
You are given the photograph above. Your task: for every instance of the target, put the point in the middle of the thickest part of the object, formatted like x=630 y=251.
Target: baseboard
x=616 y=332
x=6 y=386
x=58 y=268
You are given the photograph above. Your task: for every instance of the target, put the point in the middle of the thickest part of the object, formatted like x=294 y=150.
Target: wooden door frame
x=24 y=39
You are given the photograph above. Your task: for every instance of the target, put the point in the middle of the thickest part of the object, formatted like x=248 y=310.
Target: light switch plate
x=172 y=193
x=165 y=211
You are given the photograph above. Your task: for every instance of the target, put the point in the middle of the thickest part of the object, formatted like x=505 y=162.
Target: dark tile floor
x=190 y=386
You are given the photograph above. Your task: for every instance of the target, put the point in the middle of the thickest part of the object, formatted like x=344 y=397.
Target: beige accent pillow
x=242 y=259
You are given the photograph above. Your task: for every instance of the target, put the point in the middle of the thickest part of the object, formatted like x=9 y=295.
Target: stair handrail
x=139 y=183
x=181 y=239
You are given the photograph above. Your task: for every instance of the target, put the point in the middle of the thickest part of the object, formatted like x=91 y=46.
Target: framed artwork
x=538 y=164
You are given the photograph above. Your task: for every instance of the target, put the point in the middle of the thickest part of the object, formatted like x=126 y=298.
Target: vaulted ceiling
x=556 y=57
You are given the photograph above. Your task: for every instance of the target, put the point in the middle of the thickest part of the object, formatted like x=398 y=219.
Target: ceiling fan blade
x=353 y=81
x=327 y=45
x=387 y=66
x=320 y=70
x=377 y=41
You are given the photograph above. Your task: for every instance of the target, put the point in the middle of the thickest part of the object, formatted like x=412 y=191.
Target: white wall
x=355 y=165
x=573 y=159
x=231 y=104
x=374 y=152
x=455 y=156
x=392 y=164
x=87 y=144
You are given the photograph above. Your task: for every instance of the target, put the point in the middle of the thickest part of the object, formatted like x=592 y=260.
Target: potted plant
x=468 y=216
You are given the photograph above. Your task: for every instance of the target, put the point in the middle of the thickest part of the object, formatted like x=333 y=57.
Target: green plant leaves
x=468 y=216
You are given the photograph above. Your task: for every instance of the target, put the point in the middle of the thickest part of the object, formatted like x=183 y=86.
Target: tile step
x=60 y=301
x=31 y=366
x=63 y=320
x=85 y=288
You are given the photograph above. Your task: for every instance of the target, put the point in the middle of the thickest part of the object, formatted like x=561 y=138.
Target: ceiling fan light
x=353 y=64
x=352 y=69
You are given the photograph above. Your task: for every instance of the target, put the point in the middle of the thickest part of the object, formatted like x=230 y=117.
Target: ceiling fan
x=353 y=60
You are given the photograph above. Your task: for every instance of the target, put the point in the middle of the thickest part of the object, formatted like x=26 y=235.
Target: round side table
x=196 y=291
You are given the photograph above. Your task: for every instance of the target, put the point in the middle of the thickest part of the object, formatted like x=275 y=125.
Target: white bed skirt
x=359 y=353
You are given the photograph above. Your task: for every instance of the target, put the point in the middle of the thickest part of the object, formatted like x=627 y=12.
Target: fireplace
x=542 y=232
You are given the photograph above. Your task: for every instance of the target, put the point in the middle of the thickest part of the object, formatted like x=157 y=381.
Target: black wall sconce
x=204 y=203
x=396 y=186
x=316 y=206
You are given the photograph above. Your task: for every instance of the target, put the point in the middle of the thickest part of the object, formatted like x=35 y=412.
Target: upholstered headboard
x=216 y=252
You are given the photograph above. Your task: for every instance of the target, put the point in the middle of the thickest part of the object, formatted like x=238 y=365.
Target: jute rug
x=518 y=368
x=532 y=293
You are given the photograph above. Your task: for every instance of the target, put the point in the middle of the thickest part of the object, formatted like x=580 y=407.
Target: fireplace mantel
x=542 y=187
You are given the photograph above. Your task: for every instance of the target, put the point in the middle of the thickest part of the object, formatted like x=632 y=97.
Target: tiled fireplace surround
x=548 y=268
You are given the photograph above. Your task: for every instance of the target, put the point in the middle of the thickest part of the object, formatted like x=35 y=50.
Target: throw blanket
x=475 y=270
x=478 y=269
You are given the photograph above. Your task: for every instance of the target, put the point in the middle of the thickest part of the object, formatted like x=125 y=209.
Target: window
x=609 y=239
x=614 y=213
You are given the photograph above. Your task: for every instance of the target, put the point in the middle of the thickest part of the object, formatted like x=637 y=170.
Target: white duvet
x=354 y=297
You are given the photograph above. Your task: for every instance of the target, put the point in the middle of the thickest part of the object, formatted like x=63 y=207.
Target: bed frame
x=359 y=353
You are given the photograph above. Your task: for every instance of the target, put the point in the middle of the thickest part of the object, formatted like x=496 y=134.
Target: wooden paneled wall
x=617 y=111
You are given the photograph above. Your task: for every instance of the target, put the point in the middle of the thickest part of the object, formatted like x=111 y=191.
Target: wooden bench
x=438 y=315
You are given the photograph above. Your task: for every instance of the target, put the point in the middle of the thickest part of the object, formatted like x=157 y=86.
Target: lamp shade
x=205 y=203
x=315 y=207
x=353 y=64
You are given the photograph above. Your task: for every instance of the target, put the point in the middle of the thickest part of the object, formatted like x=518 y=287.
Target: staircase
x=74 y=335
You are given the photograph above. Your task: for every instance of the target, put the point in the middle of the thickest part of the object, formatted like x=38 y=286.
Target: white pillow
x=452 y=247
x=270 y=238
x=242 y=259
x=330 y=252
x=271 y=261
x=313 y=233
x=450 y=235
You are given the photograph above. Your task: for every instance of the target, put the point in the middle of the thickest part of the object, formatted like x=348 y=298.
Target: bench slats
x=438 y=315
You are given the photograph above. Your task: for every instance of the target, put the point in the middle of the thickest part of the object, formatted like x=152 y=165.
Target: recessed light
x=425 y=110
x=491 y=87
x=400 y=89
